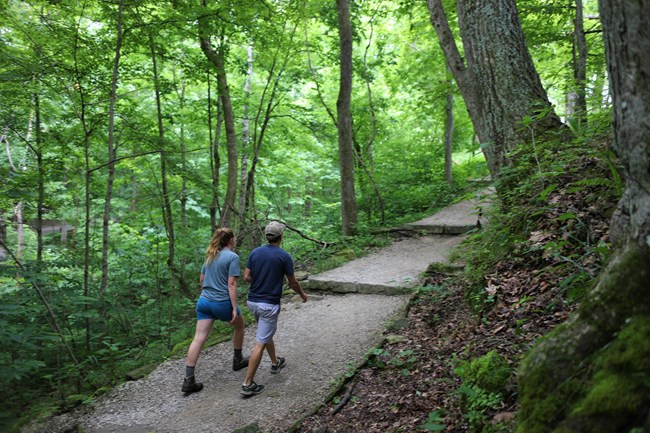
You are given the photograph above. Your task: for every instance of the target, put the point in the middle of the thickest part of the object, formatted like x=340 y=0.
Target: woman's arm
x=232 y=292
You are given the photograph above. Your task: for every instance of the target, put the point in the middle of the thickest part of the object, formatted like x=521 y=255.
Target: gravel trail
x=320 y=339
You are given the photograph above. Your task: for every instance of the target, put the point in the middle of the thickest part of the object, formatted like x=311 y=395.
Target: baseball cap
x=274 y=229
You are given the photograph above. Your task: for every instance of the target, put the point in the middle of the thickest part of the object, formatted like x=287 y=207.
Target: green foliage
x=403 y=361
x=434 y=422
x=483 y=383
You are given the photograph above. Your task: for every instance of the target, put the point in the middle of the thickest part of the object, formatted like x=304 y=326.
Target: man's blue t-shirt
x=268 y=264
x=216 y=273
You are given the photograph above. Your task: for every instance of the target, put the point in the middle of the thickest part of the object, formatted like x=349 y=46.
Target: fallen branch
x=309 y=238
x=345 y=399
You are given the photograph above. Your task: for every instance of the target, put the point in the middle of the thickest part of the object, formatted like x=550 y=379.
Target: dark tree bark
x=344 y=123
x=596 y=348
x=498 y=81
x=216 y=58
x=41 y=181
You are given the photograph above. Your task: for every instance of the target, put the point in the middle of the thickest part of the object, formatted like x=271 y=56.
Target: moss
x=571 y=370
x=489 y=372
x=615 y=394
x=618 y=398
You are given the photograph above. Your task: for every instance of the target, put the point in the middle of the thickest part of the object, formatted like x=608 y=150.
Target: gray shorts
x=266 y=316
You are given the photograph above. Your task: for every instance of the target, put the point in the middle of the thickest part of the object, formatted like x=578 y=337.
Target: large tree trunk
x=344 y=122
x=591 y=374
x=499 y=82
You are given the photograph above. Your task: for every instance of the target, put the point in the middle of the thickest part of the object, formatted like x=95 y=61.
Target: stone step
x=393 y=270
x=458 y=218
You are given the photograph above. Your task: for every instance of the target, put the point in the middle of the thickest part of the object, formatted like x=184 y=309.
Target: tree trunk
x=243 y=175
x=215 y=160
x=580 y=67
x=344 y=121
x=216 y=58
x=449 y=134
x=586 y=375
x=41 y=183
x=501 y=87
x=3 y=236
x=111 y=152
x=167 y=214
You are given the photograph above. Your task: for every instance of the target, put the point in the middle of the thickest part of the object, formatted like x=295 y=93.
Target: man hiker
x=265 y=270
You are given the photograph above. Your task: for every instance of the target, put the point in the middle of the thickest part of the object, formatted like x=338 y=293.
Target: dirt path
x=320 y=339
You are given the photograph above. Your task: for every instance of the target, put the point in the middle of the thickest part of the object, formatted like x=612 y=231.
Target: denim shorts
x=266 y=316
x=221 y=310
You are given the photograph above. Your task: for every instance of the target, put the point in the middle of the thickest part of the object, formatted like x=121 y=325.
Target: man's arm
x=295 y=285
x=247 y=275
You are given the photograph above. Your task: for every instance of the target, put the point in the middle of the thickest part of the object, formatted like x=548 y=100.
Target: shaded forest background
x=131 y=129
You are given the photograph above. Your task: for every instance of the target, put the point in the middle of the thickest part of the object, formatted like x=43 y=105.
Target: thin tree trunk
x=216 y=58
x=243 y=175
x=344 y=121
x=41 y=183
x=81 y=113
x=449 y=134
x=166 y=206
x=580 y=66
x=3 y=221
x=368 y=162
x=215 y=161
x=111 y=147
x=268 y=103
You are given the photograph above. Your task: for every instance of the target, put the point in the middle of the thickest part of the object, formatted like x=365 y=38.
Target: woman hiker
x=218 y=300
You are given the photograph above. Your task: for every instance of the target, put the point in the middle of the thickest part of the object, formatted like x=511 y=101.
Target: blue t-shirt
x=216 y=273
x=268 y=264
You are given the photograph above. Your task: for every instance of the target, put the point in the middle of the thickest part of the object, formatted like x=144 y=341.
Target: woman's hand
x=234 y=315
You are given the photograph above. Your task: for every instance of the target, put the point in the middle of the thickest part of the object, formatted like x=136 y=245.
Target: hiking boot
x=252 y=389
x=239 y=363
x=275 y=368
x=190 y=385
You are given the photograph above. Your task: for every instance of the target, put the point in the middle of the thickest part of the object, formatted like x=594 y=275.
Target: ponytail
x=219 y=241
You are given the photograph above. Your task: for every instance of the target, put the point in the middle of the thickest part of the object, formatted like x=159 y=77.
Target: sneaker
x=239 y=363
x=275 y=368
x=190 y=385
x=252 y=389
